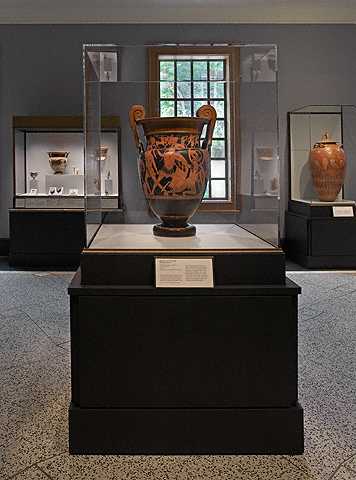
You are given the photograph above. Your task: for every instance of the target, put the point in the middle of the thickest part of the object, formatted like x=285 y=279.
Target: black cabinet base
x=46 y=238
x=167 y=431
x=34 y=260
x=317 y=239
x=324 y=262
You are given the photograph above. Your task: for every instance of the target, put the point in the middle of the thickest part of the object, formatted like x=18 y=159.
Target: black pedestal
x=317 y=239
x=184 y=371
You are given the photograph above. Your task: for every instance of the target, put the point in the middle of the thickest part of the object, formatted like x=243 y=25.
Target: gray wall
x=41 y=71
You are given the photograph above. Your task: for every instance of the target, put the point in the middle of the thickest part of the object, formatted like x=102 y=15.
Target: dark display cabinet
x=47 y=221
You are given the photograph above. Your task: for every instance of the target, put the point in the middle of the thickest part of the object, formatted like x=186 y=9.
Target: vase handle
x=209 y=112
x=137 y=112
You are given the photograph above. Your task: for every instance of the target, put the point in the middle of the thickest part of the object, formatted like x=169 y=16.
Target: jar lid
x=325 y=140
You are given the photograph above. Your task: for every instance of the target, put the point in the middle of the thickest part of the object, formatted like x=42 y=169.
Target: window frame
x=232 y=54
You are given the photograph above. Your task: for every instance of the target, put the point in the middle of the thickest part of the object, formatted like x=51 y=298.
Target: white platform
x=208 y=237
x=67 y=181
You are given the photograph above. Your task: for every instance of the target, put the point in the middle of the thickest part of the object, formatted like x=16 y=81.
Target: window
x=182 y=79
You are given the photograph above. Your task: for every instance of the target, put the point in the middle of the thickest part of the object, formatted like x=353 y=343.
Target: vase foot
x=161 y=231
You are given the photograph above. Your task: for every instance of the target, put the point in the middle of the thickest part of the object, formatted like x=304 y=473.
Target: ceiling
x=177 y=11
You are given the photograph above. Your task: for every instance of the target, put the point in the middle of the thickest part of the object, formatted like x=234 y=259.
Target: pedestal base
x=245 y=431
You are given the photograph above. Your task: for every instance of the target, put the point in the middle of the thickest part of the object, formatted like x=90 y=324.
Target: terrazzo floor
x=35 y=389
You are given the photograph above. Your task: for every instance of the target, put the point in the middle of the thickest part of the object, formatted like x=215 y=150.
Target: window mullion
x=175 y=90
x=227 y=150
x=192 y=113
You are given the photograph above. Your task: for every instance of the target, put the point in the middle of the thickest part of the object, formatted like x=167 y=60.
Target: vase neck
x=173 y=140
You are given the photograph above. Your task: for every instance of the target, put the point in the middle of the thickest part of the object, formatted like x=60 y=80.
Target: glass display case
x=49 y=162
x=239 y=81
x=322 y=160
x=307 y=127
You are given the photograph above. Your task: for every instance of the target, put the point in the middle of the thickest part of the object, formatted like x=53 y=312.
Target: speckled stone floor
x=35 y=389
